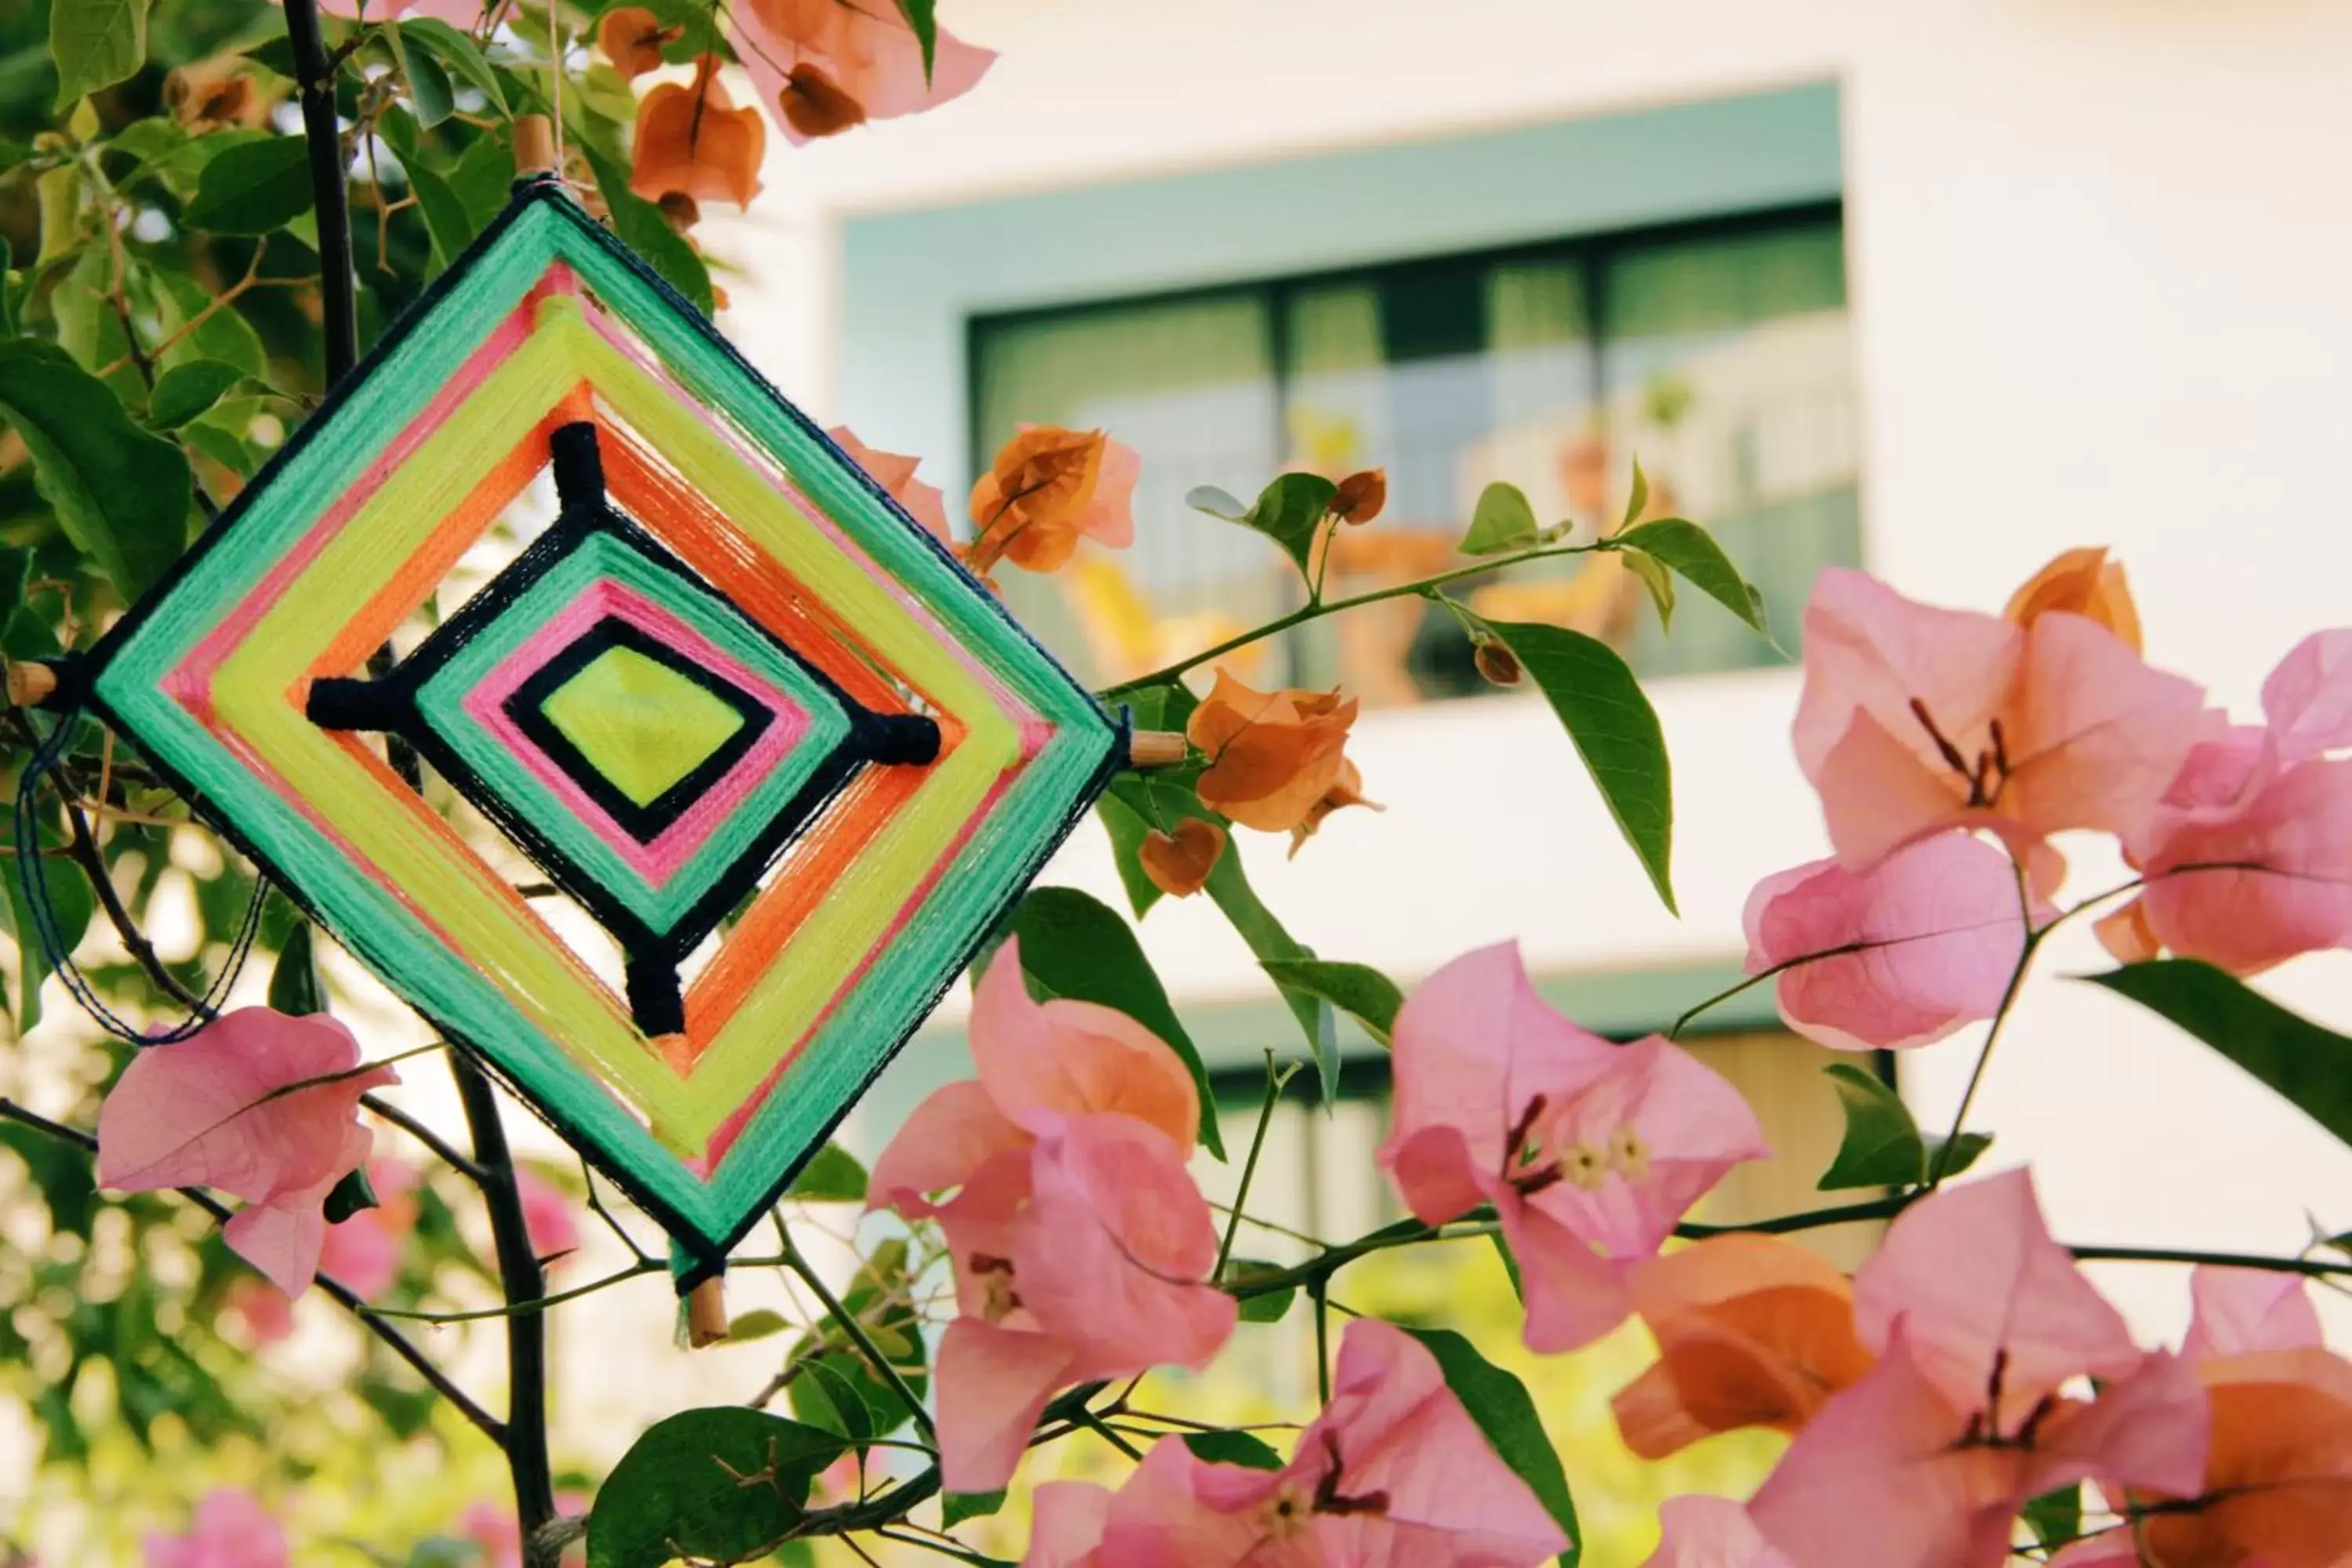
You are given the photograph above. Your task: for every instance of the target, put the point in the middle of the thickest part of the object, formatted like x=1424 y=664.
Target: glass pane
x=1451 y=374
x=1729 y=364
x=1188 y=384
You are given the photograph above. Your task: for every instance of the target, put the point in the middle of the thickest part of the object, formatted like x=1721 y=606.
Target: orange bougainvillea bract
x=1274 y=756
x=693 y=139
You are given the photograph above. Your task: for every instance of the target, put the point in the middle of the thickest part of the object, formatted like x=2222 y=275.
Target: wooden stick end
x=706 y=1313
x=1157 y=749
x=534 y=144
x=30 y=684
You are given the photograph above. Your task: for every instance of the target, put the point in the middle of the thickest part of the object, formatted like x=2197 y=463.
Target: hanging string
x=48 y=934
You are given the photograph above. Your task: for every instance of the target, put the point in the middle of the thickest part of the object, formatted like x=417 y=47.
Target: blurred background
x=1934 y=289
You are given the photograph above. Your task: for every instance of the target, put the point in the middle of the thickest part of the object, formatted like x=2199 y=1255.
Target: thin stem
x=399 y=1343
x=856 y=1333
x=2310 y=1266
x=442 y=1148
x=1935 y=1167
x=525 y=1308
x=611 y=1221
x=1276 y=1082
x=87 y=854
x=314 y=73
x=1317 y=611
x=1103 y=1429
x=521 y=1279
x=1322 y=1338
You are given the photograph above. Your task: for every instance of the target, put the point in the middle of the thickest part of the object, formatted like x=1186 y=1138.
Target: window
x=1718 y=354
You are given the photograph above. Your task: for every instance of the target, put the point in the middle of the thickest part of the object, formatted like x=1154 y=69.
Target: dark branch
x=314 y=72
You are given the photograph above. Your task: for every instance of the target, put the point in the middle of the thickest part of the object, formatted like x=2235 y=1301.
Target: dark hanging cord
x=50 y=939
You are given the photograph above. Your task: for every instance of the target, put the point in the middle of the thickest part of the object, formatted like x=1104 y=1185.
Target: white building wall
x=2099 y=253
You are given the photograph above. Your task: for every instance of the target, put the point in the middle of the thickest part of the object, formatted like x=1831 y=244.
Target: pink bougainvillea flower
x=1067 y=1523
x=1891 y=1474
x=1393 y=1474
x=1898 y=955
x=230 y=1529
x=1980 y=1320
x=1711 y=1533
x=866 y=53
x=1047 y=489
x=267 y=1312
x=492 y=1527
x=1081 y=1248
x=2248 y=860
x=222 y=1109
x=547 y=1215
x=1752 y=1331
x=2240 y=1311
x=1590 y=1152
x=1915 y=719
x=895 y=474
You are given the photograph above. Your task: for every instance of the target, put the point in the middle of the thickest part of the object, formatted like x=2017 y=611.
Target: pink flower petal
x=2242 y=1310
x=2096 y=735
x=2294 y=833
x=2308 y=697
x=1573 y=1295
x=229 y=1529
x=1975 y=1279
x=1899 y=955
x=1066 y=1524
x=1070 y=1059
x=993 y=1386
x=869 y=52
x=548 y=1215
x=1711 y=1533
x=1110 y=1255
x=1875 y=1481
x=1109 y=518
x=954 y=1132
x=1398 y=1431
x=2147 y=1431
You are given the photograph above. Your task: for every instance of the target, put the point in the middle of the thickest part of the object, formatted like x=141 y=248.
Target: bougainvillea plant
x=210 y=207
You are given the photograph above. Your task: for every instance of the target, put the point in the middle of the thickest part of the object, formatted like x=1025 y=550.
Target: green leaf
x=1245 y=1448
x=294 y=987
x=349 y=1195
x=2310 y=1066
x=641 y=228
x=1269 y=1308
x=430 y=97
x=71 y=902
x=825 y=1392
x=96 y=43
x=12 y=323
x=186 y=390
x=1074 y=945
x=1615 y=731
x=832 y=1175
x=2056 y=1517
x=121 y=493
x=921 y=16
x=1498 y=1403
x=1503 y=522
x=1127 y=831
x=759 y=1323
x=1139 y=801
x=1637 y=498
x=1692 y=552
x=253 y=187
x=458 y=52
x=220 y=446
x=1882 y=1146
x=446 y=223
x=1290 y=511
x=481 y=179
x=955 y=1508
x=1357 y=990
x=708 y=1483
x=1657 y=579
x=221 y=333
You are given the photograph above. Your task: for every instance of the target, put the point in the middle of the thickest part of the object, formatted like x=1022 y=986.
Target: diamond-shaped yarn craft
x=746 y=714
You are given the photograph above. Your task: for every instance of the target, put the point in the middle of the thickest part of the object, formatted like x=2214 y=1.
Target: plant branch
x=1318 y=610
x=398 y=1343
x=1938 y=1166
x=314 y=72
x=854 y=1332
x=1276 y=1082
x=521 y=1279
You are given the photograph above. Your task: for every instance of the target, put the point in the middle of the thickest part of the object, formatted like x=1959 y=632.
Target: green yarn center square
x=638 y=723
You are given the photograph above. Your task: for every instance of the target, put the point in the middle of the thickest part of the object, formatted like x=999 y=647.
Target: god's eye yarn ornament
x=788 y=755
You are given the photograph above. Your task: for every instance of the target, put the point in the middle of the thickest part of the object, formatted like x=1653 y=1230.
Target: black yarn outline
x=700 y=1254
x=527 y=706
